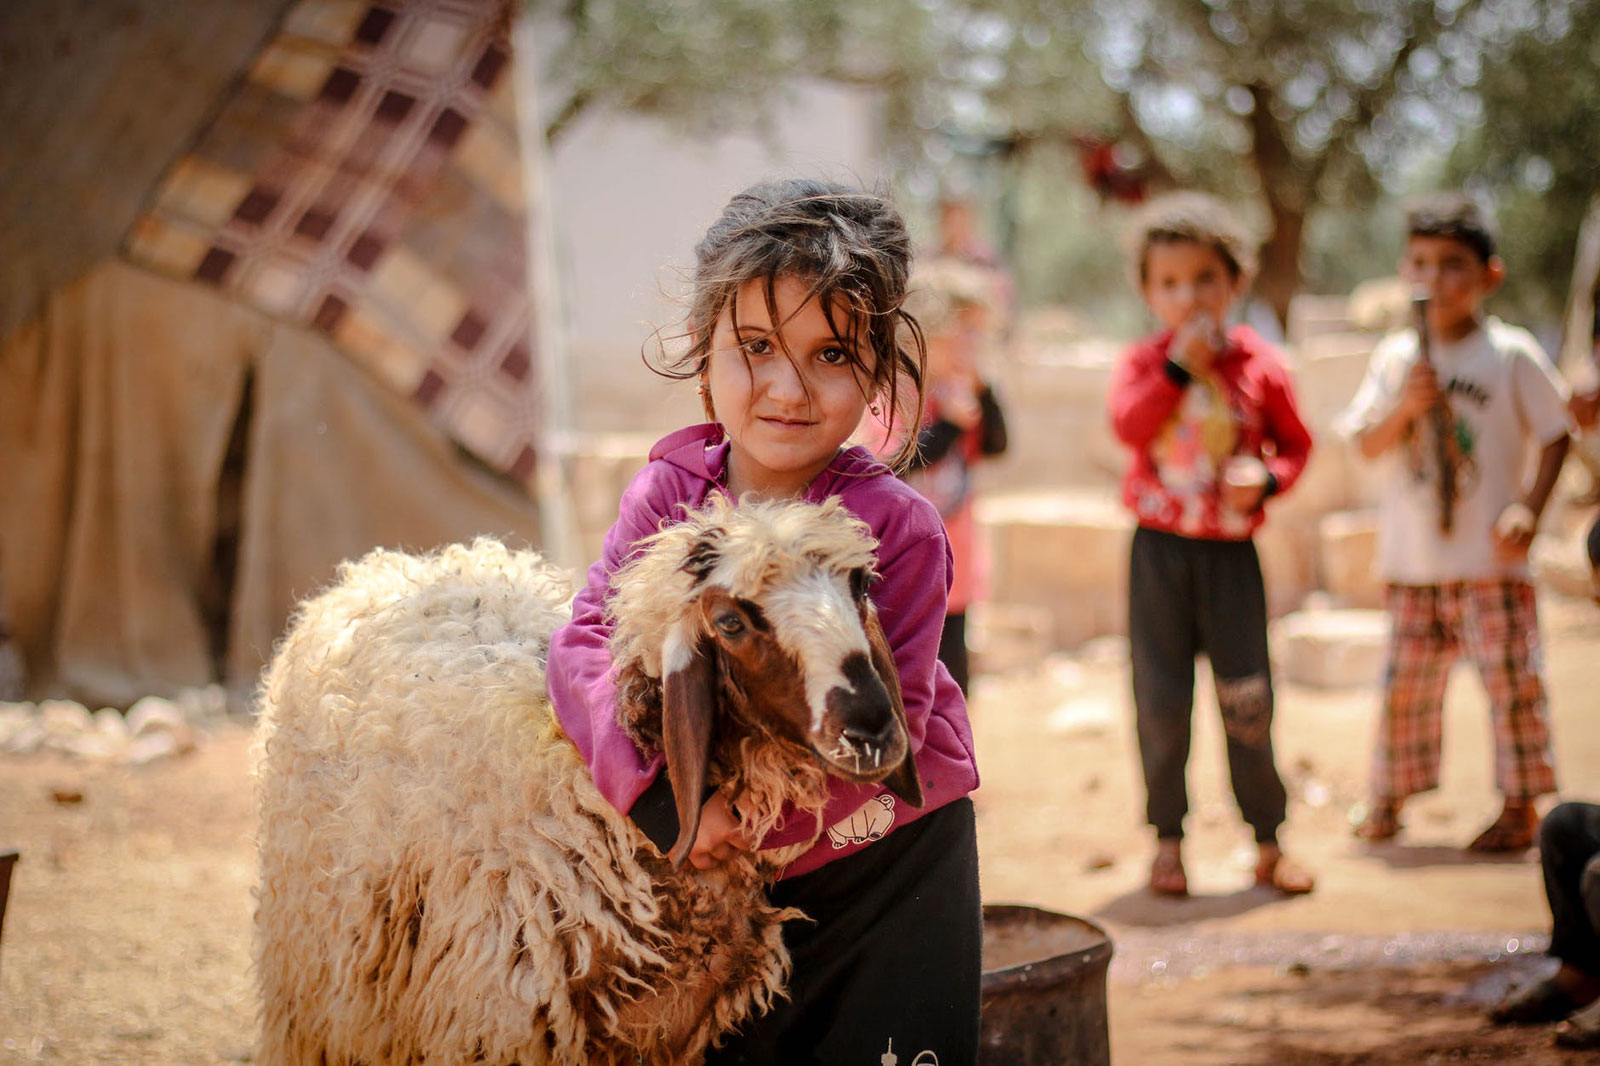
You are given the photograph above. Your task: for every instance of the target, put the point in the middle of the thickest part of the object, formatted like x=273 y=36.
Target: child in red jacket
x=1209 y=414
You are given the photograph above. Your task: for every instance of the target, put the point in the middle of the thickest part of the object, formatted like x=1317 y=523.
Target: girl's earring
x=874 y=408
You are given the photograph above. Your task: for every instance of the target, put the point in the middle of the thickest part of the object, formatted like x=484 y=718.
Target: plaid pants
x=1495 y=623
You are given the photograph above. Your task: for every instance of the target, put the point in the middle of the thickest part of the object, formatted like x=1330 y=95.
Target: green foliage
x=1536 y=151
x=1321 y=111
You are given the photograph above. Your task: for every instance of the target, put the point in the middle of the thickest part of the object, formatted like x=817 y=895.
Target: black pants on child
x=953 y=648
x=1569 y=852
x=1186 y=597
x=887 y=973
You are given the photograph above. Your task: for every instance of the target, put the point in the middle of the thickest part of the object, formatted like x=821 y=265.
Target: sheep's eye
x=729 y=623
x=860 y=581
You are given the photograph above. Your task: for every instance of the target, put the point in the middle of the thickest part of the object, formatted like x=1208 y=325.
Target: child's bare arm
x=1420 y=392
x=1513 y=531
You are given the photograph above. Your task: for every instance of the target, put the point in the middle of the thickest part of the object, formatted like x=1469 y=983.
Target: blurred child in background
x=1460 y=585
x=1208 y=413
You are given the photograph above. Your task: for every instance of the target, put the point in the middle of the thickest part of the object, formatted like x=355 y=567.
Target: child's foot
x=1515 y=830
x=1166 y=873
x=1382 y=821
x=1282 y=874
x=1556 y=997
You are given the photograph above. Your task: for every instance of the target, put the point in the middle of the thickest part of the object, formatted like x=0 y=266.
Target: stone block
x=1054 y=400
x=1312 y=315
x=601 y=470
x=1347 y=549
x=1063 y=551
x=1327 y=372
x=1286 y=545
x=1003 y=637
x=1560 y=564
x=1331 y=648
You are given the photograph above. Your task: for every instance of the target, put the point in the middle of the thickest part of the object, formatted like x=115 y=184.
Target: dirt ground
x=126 y=939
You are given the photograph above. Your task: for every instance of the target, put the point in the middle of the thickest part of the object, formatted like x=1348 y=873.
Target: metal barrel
x=1044 y=989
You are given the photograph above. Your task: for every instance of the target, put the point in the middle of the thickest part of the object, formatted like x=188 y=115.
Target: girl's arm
x=993 y=437
x=1291 y=440
x=1146 y=387
x=1514 y=529
x=579 y=666
x=1420 y=393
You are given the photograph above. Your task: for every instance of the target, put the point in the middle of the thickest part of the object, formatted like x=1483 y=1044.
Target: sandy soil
x=127 y=935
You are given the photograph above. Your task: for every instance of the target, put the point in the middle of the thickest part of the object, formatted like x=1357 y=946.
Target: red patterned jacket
x=1182 y=430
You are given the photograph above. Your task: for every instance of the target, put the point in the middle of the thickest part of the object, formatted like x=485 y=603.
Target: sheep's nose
x=861 y=736
x=863 y=711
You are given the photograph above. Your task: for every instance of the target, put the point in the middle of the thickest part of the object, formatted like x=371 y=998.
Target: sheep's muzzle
x=861 y=738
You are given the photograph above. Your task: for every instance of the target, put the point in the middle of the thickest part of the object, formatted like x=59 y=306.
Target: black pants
x=891 y=961
x=1569 y=852
x=1185 y=597
x=953 y=648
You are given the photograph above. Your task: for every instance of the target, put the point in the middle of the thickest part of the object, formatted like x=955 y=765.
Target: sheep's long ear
x=902 y=780
x=687 y=700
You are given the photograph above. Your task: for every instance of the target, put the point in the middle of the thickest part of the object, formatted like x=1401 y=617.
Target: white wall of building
x=630 y=197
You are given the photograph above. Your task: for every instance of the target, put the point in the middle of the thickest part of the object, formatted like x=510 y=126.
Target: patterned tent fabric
x=365 y=180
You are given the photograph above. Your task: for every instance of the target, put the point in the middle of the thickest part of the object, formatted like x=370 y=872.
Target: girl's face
x=1456 y=280
x=787 y=392
x=1183 y=279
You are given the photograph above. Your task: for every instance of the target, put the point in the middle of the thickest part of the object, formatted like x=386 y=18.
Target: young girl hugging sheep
x=796 y=329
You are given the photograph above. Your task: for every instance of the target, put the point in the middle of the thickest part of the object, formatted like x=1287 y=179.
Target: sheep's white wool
x=756 y=546
x=817 y=623
x=440 y=877
x=441 y=880
x=676 y=651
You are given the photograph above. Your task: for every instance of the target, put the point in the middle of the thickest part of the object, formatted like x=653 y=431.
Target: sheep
x=442 y=882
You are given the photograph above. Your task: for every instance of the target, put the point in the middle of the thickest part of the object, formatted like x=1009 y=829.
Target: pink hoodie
x=914 y=567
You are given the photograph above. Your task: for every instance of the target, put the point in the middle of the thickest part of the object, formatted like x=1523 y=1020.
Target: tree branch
x=576 y=104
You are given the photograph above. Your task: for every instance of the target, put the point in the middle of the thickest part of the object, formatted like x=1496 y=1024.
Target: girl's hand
x=1513 y=531
x=1585 y=407
x=719 y=836
x=1244 y=484
x=1421 y=390
x=1197 y=342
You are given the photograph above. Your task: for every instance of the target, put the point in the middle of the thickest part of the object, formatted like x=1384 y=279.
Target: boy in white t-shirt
x=1460 y=585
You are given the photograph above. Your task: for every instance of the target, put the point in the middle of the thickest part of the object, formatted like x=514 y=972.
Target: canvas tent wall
x=265 y=307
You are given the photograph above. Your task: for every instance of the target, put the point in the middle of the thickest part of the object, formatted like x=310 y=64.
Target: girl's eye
x=758 y=346
x=834 y=357
x=729 y=623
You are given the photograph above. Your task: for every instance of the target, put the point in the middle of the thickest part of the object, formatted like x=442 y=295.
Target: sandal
x=1581 y=1031
x=1285 y=875
x=1540 y=1002
x=1515 y=830
x=1381 y=823
x=1167 y=877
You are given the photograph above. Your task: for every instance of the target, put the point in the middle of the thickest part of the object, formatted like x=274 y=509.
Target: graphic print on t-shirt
x=1420 y=455
x=1192 y=448
x=870 y=821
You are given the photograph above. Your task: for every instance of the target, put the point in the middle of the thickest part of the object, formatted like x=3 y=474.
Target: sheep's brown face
x=802 y=665
x=780 y=639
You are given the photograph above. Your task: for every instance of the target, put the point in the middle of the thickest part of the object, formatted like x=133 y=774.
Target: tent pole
x=555 y=437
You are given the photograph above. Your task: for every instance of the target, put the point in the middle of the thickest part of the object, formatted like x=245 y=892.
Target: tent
x=264 y=305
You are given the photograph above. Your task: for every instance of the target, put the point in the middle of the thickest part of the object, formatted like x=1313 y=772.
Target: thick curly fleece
x=441 y=881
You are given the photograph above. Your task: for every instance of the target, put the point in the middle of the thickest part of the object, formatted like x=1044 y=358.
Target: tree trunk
x=1280 y=275
x=1284 y=185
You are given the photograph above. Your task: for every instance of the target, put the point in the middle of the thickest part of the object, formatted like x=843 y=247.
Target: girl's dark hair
x=1456 y=216
x=852 y=249
x=1193 y=217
